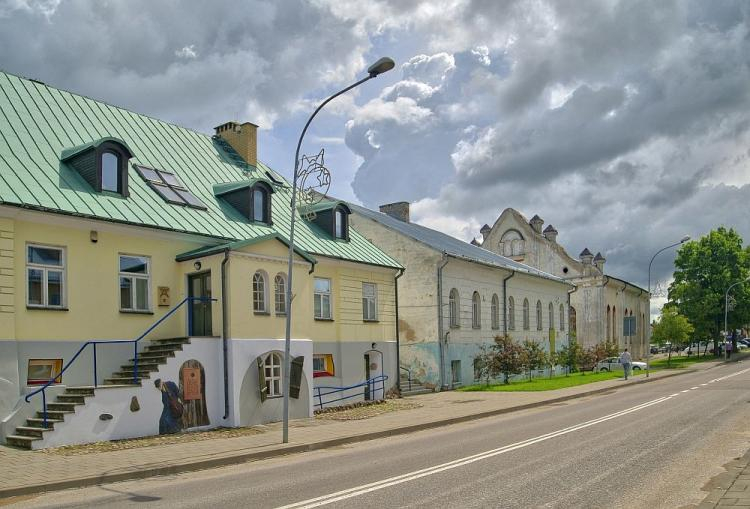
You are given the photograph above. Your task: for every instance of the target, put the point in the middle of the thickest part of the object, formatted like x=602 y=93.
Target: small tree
x=587 y=358
x=553 y=359
x=485 y=364
x=507 y=357
x=672 y=328
x=569 y=355
x=533 y=356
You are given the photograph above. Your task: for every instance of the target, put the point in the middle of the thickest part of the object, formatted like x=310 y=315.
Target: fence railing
x=369 y=387
x=408 y=375
x=94 y=343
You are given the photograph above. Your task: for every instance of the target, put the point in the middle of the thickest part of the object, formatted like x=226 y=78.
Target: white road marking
x=367 y=488
x=693 y=388
x=399 y=479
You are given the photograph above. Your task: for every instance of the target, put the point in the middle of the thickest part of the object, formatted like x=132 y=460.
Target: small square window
x=41 y=371
x=170 y=179
x=148 y=174
x=323 y=365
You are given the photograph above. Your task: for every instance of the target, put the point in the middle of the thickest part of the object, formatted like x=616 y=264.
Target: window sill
x=323 y=319
x=261 y=313
x=135 y=312
x=45 y=308
x=455 y=326
x=277 y=396
x=371 y=321
x=280 y=314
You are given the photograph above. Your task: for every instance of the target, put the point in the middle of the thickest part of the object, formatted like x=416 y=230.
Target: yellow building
x=148 y=263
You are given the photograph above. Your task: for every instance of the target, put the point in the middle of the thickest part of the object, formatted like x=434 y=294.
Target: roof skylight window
x=168 y=187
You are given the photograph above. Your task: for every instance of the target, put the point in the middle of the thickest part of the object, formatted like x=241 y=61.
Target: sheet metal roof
x=39 y=123
x=451 y=245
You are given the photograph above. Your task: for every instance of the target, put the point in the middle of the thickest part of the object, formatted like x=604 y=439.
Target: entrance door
x=199 y=285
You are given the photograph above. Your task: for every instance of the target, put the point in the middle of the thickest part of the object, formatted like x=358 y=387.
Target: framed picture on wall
x=42 y=370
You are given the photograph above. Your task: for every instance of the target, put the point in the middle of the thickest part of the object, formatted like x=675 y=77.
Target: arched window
x=551 y=316
x=340 y=227
x=572 y=320
x=476 y=311
x=110 y=163
x=538 y=315
x=495 y=312
x=453 y=308
x=562 y=317
x=272 y=372
x=511 y=314
x=259 y=293
x=614 y=323
x=525 y=314
x=279 y=293
x=608 y=334
x=261 y=205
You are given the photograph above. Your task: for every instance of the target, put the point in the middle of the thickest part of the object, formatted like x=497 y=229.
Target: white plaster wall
x=10 y=390
x=246 y=408
x=522 y=286
x=85 y=426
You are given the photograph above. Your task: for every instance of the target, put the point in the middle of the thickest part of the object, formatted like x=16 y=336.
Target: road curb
x=282 y=450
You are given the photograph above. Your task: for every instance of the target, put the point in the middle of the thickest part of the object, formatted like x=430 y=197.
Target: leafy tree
x=508 y=356
x=671 y=328
x=587 y=358
x=569 y=355
x=705 y=268
x=533 y=356
x=484 y=363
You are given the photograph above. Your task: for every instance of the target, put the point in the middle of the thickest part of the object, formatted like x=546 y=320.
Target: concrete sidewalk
x=731 y=488
x=25 y=472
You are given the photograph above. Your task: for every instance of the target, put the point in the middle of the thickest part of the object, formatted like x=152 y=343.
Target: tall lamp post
x=726 y=308
x=385 y=64
x=648 y=347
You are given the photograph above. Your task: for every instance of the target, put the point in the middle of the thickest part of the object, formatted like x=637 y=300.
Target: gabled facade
x=114 y=225
x=600 y=302
x=455 y=297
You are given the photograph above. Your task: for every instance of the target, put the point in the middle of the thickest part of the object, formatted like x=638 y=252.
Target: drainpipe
x=398 y=343
x=225 y=330
x=505 y=303
x=570 y=292
x=441 y=348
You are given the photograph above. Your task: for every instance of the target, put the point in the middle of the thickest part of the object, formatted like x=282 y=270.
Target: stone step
x=38 y=422
x=31 y=431
x=80 y=391
x=150 y=366
x=181 y=341
x=79 y=399
x=163 y=347
x=20 y=441
x=62 y=406
x=413 y=392
x=58 y=415
x=128 y=373
x=122 y=381
x=154 y=355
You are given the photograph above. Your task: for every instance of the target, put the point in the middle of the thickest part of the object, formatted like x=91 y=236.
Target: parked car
x=613 y=364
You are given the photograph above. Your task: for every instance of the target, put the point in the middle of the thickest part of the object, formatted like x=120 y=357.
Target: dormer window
x=330 y=216
x=250 y=198
x=102 y=163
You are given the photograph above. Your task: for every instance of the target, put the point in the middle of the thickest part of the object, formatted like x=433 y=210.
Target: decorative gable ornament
x=314 y=182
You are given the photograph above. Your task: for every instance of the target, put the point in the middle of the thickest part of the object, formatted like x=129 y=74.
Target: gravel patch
x=358 y=411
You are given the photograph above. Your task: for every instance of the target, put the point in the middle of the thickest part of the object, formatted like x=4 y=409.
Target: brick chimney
x=398 y=210
x=243 y=138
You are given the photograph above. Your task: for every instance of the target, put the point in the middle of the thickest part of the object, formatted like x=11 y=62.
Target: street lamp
x=648 y=347
x=726 y=307
x=384 y=64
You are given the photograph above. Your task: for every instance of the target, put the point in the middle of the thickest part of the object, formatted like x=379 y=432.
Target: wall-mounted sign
x=191 y=383
x=163 y=296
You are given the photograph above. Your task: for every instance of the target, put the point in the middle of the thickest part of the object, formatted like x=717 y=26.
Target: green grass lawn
x=683 y=361
x=548 y=384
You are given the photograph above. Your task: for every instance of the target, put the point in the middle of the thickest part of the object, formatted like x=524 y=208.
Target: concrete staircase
x=153 y=355
x=414 y=388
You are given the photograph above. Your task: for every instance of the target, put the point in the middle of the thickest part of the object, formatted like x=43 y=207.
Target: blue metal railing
x=114 y=341
x=371 y=385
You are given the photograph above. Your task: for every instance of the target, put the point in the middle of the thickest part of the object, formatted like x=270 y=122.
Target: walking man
x=626 y=361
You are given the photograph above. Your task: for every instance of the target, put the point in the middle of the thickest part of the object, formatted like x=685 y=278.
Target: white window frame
x=260 y=305
x=271 y=363
x=45 y=280
x=368 y=301
x=133 y=278
x=476 y=311
x=526 y=320
x=562 y=317
x=322 y=296
x=454 y=308
x=539 y=315
x=495 y=311
x=279 y=305
x=511 y=313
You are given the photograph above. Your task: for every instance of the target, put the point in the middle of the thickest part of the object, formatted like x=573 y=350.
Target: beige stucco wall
x=7 y=279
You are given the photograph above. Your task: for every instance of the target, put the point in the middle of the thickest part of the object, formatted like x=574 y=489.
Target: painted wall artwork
x=170 y=420
x=193 y=391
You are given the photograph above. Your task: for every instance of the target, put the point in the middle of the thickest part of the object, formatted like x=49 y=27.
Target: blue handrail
x=114 y=341
x=370 y=384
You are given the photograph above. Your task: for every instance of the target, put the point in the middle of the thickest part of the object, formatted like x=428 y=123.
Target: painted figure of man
x=171 y=414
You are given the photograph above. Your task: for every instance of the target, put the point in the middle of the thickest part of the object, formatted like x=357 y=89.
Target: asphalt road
x=649 y=445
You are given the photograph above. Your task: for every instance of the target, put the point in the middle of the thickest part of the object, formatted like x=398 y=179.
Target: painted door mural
x=199 y=285
x=193 y=390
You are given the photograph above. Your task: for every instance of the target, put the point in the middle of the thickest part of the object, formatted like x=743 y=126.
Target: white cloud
x=186 y=52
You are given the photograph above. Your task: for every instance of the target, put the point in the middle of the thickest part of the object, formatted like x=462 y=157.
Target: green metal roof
x=325 y=204
x=239 y=244
x=228 y=187
x=71 y=152
x=39 y=123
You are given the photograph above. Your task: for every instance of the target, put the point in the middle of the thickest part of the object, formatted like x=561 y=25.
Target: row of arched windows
x=612 y=324
x=476 y=312
x=261 y=300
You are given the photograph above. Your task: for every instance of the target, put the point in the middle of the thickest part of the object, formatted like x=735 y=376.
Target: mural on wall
x=193 y=390
x=171 y=414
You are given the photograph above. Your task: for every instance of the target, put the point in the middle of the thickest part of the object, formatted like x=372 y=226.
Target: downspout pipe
x=398 y=338
x=441 y=326
x=225 y=330
x=505 y=303
x=570 y=292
